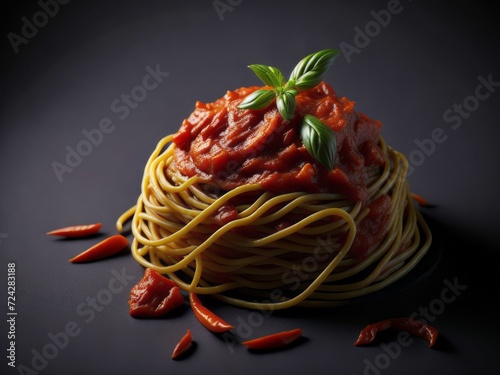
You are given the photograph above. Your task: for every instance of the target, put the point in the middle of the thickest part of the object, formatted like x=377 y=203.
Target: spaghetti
x=253 y=246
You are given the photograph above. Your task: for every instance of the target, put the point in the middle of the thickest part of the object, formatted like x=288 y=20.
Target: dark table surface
x=430 y=73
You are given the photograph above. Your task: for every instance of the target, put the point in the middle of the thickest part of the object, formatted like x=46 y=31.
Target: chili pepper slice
x=275 y=340
x=417 y=328
x=412 y=326
x=103 y=249
x=154 y=295
x=183 y=346
x=420 y=200
x=76 y=230
x=206 y=317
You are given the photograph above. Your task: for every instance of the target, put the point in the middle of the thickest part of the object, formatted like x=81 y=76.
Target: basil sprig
x=319 y=140
x=270 y=75
x=305 y=75
x=259 y=99
x=308 y=72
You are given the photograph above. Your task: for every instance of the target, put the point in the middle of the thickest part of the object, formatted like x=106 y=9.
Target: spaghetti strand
x=244 y=261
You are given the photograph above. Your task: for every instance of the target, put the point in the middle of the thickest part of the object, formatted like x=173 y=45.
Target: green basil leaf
x=309 y=71
x=270 y=75
x=286 y=104
x=258 y=99
x=319 y=140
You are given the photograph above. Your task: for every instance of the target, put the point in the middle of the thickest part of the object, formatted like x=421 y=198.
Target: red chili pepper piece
x=183 y=345
x=417 y=328
x=103 y=249
x=412 y=326
x=206 y=317
x=154 y=295
x=367 y=335
x=275 y=340
x=420 y=200
x=76 y=230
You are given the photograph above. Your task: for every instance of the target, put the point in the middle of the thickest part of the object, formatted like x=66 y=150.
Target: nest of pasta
x=232 y=205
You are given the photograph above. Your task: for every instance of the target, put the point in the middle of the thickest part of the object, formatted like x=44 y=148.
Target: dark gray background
x=64 y=80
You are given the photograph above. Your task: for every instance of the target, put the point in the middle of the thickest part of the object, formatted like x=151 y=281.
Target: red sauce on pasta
x=228 y=147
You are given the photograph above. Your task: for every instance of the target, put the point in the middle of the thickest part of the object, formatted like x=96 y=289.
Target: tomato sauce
x=154 y=295
x=228 y=147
